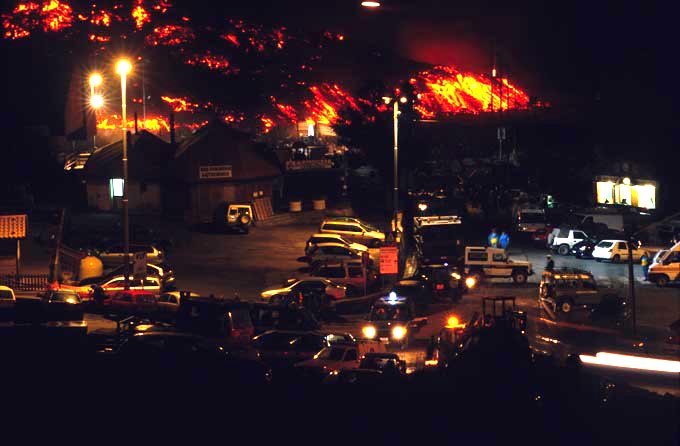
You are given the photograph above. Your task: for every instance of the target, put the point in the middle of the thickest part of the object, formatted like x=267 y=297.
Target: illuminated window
x=605 y=192
x=116 y=185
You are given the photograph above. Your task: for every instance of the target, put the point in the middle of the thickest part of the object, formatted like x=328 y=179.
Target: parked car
x=332 y=238
x=354 y=231
x=540 y=237
x=617 y=251
x=564 y=239
x=266 y=317
x=129 y=302
x=350 y=274
x=62 y=305
x=485 y=262
x=169 y=302
x=295 y=286
x=280 y=349
x=87 y=289
x=169 y=358
x=331 y=253
x=584 y=248
x=162 y=270
x=388 y=363
x=353 y=220
x=237 y=216
x=225 y=320
x=7 y=304
x=114 y=255
x=337 y=357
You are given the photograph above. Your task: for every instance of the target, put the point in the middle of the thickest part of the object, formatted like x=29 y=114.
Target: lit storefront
x=626 y=191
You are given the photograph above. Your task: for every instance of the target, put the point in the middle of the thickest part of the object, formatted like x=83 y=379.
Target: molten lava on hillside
x=444 y=91
x=262 y=62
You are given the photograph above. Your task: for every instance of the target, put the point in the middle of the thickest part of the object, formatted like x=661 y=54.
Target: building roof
x=218 y=144
x=149 y=158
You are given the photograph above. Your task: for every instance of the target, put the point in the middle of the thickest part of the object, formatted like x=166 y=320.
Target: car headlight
x=369 y=331
x=455 y=275
x=398 y=332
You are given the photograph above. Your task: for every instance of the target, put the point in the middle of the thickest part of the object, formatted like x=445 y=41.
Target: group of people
x=501 y=240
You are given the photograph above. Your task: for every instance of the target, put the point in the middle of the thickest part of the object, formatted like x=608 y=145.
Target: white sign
x=214 y=172
x=139 y=267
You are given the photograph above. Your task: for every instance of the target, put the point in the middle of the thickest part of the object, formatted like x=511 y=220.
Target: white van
x=667 y=267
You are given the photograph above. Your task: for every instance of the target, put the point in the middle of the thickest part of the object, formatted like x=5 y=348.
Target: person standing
x=550 y=266
x=504 y=240
x=644 y=261
x=493 y=238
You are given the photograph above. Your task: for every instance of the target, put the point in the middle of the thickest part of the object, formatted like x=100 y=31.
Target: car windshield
x=65 y=296
x=390 y=313
x=441 y=232
x=332 y=353
x=5 y=294
x=605 y=244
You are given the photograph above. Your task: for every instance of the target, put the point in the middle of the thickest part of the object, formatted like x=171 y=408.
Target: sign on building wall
x=12 y=226
x=214 y=172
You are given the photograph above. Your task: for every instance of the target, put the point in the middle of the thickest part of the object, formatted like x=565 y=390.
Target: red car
x=151 y=284
x=540 y=237
x=132 y=301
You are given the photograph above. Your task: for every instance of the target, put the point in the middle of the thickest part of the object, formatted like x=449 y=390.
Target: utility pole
x=395 y=198
x=631 y=283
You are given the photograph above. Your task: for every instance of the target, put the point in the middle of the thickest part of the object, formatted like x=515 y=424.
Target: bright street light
x=96 y=101
x=95 y=80
x=123 y=67
x=403 y=100
x=370 y=4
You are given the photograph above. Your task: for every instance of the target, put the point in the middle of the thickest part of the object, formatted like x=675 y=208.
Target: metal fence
x=25 y=282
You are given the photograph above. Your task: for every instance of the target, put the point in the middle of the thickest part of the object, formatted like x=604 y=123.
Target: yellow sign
x=13 y=226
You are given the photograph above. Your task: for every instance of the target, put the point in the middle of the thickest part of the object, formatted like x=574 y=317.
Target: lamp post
x=395 y=117
x=123 y=67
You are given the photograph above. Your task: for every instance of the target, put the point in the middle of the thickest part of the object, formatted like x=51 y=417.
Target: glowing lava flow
x=170 y=35
x=114 y=122
x=210 y=61
x=327 y=101
x=445 y=90
x=50 y=16
x=140 y=15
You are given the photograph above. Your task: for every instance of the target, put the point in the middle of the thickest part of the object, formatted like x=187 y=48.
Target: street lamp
x=370 y=4
x=95 y=80
x=96 y=101
x=123 y=67
x=395 y=115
